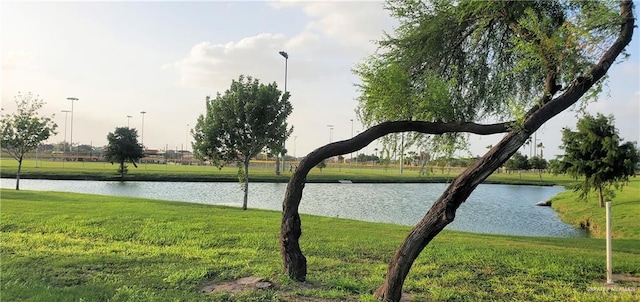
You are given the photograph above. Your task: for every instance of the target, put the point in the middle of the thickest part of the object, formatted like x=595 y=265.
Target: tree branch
x=363 y=139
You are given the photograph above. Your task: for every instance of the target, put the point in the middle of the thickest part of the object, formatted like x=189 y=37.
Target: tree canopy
x=24 y=130
x=479 y=61
x=596 y=152
x=123 y=146
x=237 y=125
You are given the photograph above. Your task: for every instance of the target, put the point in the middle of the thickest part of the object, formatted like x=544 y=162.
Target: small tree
x=24 y=130
x=321 y=165
x=240 y=123
x=518 y=162
x=538 y=163
x=595 y=152
x=123 y=146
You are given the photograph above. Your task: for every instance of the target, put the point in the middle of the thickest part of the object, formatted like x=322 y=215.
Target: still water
x=495 y=209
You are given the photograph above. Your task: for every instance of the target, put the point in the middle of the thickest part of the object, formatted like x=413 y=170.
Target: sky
x=121 y=58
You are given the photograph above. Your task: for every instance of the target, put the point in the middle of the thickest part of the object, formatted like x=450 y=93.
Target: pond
x=494 y=209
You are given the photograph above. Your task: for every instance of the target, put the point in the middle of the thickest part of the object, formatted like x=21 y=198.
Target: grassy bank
x=70 y=247
x=625 y=211
x=259 y=172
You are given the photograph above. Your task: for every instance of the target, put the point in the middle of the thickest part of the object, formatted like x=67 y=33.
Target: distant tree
x=538 y=163
x=239 y=124
x=123 y=146
x=321 y=165
x=556 y=166
x=518 y=162
x=22 y=131
x=595 y=152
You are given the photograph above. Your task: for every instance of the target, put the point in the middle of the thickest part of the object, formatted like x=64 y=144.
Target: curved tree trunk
x=443 y=210
x=295 y=264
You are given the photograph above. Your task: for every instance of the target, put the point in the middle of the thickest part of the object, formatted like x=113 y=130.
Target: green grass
x=625 y=211
x=78 y=247
x=259 y=171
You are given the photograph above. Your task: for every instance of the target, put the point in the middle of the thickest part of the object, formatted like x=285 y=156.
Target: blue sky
x=121 y=58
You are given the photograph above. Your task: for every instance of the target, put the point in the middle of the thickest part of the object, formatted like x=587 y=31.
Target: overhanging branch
x=363 y=139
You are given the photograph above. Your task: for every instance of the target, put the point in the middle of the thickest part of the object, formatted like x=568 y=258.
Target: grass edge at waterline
x=625 y=211
x=66 y=246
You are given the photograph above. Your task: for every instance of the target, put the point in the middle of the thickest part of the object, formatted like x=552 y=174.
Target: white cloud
x=18 y=60
x=210 y=65
x=336 y=37
x=353 y=24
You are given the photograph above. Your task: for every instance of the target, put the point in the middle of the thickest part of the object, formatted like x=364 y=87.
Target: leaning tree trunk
x=443 y=210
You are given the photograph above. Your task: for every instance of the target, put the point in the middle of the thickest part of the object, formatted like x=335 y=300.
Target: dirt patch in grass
x=235 y=287
x=252 y=283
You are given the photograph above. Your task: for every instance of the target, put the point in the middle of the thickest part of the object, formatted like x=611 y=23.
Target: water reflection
x=495 y=209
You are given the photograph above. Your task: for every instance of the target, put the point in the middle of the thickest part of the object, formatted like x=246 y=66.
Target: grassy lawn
x=77 y=247
x=625 y=211
x=259 y=171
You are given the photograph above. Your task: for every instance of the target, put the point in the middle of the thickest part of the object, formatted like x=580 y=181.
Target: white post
x=609 y=261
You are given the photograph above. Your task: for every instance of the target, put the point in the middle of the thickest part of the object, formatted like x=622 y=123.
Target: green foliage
x=538 y=163
x=24 y=130
x=248 y=118
x=473 y=61
x=518 y=162
x=74 y=247
x=123 y=146
x=596 y=152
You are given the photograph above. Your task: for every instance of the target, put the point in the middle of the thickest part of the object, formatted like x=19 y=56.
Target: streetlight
x=64 y=146
x=330 y=133
x=286 y=60
x=186 y=139
x=142 y=130
x=295 y=138
x=71 y=99
x=128 y=118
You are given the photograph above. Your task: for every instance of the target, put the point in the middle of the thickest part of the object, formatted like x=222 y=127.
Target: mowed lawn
x=262 y=171
x=78 y=247
x=625 y=210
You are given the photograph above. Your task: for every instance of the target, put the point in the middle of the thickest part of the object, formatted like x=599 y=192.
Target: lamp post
x=128 y=118
x=286 y=60
x=142 y=129
x=330 y=133
x=72 y=99
x=295 y=138
x=64 y=146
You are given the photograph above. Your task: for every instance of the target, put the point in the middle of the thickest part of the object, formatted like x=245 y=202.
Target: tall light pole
x=295 y=138
x=142 y=130
x=72 y=99
x=64 y=146
x=286 y=60
x=330 y=133
x=128 y=118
